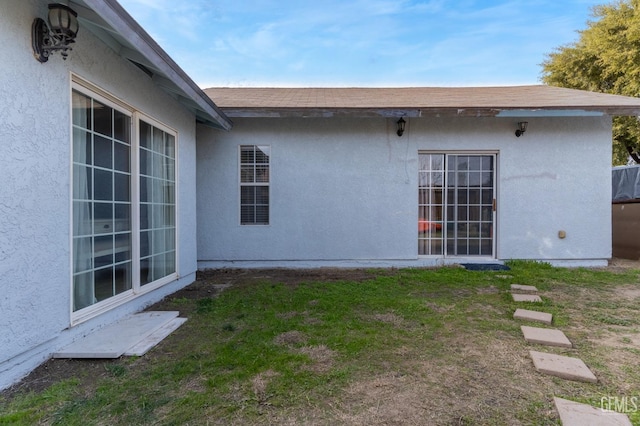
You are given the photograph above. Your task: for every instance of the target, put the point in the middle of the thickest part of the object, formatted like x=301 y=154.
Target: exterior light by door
x=58 y=35
x=522 y=127
x=401 y=123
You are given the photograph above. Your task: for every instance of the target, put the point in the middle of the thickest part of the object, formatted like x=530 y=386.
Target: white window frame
x=253 y=184
x=138 y=116
x=88 y=89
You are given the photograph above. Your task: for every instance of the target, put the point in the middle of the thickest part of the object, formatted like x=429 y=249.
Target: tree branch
x=632 y=154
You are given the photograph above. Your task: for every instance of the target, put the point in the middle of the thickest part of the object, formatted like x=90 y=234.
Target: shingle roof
x=419 y=101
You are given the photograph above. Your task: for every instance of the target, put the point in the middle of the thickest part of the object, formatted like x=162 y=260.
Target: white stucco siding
x=34 y=195
x=558 y=179
x=35 y=171
x=344 y=191
x=331 y=198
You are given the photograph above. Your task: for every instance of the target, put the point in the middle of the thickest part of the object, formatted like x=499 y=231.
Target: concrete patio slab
x=143 y=346
x=523 y=289
x=526 y=298
x=545 y=336
x=527 y=315
x=562 y=366
x=113 y=341
x=576 y=414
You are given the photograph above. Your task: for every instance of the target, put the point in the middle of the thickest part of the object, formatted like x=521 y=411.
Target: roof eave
x=173 y=79
x=569 y=111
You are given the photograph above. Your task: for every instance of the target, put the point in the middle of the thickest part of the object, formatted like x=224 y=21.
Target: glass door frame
x=439 y=217
x=136 y=288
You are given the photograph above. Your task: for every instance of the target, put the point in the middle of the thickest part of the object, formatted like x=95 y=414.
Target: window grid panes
x=102 y=229
x=157 y=203
x=254 y=184
x=430 y=204
x=455 y=205
x=470 y=205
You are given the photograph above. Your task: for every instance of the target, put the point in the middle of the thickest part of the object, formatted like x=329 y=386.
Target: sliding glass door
x=124 y=202
x=456 y=204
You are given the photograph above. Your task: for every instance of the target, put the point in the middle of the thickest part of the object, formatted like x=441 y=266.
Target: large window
x=254 y=184
x=116 y=250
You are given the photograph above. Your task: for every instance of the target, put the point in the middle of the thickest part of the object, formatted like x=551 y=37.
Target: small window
x=254 y=184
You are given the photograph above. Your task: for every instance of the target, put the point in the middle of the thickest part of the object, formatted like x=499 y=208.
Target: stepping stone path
x=535 y=316
x=561 y=366
x=571 y=413
x=576 y=414
x=526 y=297
x=545 y=336
x=523 y=289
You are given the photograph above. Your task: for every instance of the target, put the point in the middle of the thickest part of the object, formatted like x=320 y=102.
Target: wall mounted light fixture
x=522 y=127
x=401 y=123
x=58 y=35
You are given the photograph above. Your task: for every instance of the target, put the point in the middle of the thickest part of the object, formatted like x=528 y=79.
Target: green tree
x=606 y=58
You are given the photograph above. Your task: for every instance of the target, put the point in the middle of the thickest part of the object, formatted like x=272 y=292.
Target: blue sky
x=372 y=43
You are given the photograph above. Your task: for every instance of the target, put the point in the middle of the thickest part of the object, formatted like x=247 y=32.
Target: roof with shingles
x=417 y=101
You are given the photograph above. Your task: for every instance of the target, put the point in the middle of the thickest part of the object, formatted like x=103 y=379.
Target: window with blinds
x=254 y=184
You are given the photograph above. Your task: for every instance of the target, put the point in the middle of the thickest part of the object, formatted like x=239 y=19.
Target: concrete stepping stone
x=526 y=297
x=527 y=315
x=545 y=336
x=576 y=414
x=562 y=366
x=523 y=289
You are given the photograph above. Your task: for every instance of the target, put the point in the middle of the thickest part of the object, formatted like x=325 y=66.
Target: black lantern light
x=522 y=127
x=401 y=123
x=58 y=35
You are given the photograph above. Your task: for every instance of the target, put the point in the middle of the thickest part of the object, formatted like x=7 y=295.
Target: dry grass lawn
x=355 y=347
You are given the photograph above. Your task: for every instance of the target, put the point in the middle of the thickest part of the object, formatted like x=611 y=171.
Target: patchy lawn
x=357 y=347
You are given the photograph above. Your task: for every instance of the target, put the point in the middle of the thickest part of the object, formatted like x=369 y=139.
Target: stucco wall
x=344 y=191
x=557 y=177
x=35 y=192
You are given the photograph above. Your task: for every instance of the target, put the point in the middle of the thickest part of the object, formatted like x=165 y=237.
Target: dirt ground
x=385 y=394
x=617 y=263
